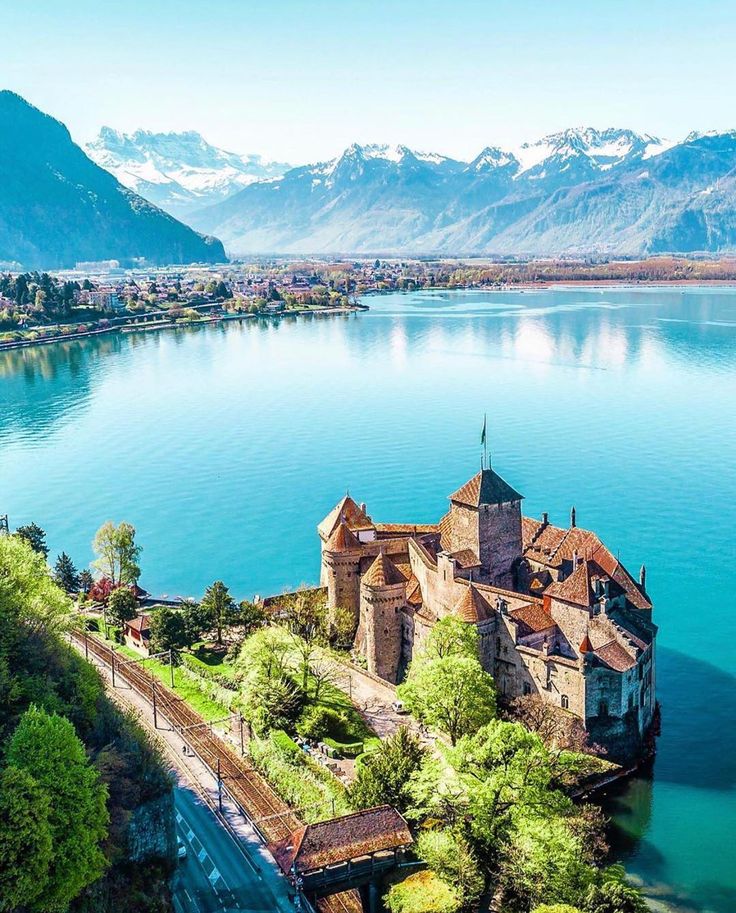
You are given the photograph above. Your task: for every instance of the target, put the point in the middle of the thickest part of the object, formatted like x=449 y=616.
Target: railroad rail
x=267 y=812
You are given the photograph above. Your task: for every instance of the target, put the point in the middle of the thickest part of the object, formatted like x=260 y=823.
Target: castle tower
x=341 y=569
x=382 y=597
x=485 y=517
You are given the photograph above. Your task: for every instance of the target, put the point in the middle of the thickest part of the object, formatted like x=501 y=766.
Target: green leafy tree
x=449 y=854
x=342 y=626
x=65 y=573
x=611 y=894
x=168 y=629
x=556 y=908
x=47 y=747
x=30 y=602
x=197 y=620
x=122 y=605
x=219 y=606
x=382 y=776
x=117 y=553
x=507 y=773
x=250 y=617
x=453 y=693
x=25 y=839
x=86 y=581
x=35 y=537
x=452 y=637
x=265 y=655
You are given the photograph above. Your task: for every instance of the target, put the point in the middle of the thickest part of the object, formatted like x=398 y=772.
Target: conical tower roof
x=486 y=487
x=586 y=646
x=342 y=539
x=383 y=572
x=471 y=606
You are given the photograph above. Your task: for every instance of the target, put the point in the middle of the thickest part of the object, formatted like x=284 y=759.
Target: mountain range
x=57 y=207
x=580 y=191
x=179 y=172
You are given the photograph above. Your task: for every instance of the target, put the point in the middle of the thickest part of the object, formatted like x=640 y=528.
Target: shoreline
x=164 y=324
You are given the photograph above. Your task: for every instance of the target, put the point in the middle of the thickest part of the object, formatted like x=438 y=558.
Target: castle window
x=603 y=708
x=527 y=688
x=564 y=700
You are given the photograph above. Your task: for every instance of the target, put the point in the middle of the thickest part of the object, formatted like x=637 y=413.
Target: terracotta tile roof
x=140 y=623
x=446 y=531
x=487 y=487
x=414 y=593
x=532 y=618
x=383 y=572
x=472 y=607
x=345 y=509
x=578 y=587
x=342 y=539
x=344 y=902
x=616 y=656
x=466 y=557
x=585 y=645
x=340 y=839
x=408 y=529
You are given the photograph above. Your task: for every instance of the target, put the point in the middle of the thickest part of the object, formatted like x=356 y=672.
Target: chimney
x=574 y=558
x=572 y=517
x=545 y=518
x=643 y=577
x=362 y=506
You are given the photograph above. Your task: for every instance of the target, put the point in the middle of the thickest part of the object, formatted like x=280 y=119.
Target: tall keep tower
x=485 y=517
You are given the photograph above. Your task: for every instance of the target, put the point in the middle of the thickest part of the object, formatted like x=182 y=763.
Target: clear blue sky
x=299 y=80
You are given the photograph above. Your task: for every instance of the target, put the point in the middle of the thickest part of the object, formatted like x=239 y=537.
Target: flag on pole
x=483 y=433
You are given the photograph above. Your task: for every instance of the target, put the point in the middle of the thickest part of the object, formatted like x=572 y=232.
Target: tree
x=46 y=746
x=197 y=620
x=342 y=625
x=250 y=617
x=25 y=839
x=86 y=581
x=35 y=537
x=168 y=629
x=611 y=894
x=122 y=605
x=65 y=573
x=557 y=728
x=265 y=655
x=219 y=606
x=452 y=637
x=453 y=693
x=30 y=601
x=449 y=854
x=382 y=776
x=506 y=772
x=117 y=553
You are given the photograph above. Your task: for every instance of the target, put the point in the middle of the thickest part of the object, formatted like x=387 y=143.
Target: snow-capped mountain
x=579 y=191
x=177 y=171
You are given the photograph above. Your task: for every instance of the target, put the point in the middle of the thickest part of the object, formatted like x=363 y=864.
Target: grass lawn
x=214 y=660
x=187 y=689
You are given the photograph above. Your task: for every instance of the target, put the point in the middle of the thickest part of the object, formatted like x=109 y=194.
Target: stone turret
x=382 y=597
x=485 y=517
x=341 y=569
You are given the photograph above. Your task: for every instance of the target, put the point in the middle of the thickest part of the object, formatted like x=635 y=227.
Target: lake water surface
x=225 y=446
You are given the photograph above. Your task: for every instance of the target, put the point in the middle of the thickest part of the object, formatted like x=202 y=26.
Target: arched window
x=565 y=702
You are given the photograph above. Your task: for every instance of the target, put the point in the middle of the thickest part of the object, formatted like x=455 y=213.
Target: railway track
x=268 y=812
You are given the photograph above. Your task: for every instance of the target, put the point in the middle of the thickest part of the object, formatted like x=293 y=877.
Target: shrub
x=423 y=892
x=285 y=744
x=346 y=749
x=451 y=857
x=318 y=722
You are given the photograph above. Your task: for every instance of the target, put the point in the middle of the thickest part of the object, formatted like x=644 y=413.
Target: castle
x=558 y=615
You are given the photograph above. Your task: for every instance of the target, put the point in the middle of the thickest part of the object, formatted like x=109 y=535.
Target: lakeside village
x=427 y=722
x=103 y=297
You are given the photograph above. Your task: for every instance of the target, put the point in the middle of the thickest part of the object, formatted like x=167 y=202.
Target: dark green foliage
x=168 y=629
x=25 y=839
x=383 y=775
x=317 y=722
x=47 y=747
x=250 y=617
x=613 y=895
x=122 y=605
x=197 y=620
x=285 y=744
x=35 y=537
x=219 y=607
x=65 y=573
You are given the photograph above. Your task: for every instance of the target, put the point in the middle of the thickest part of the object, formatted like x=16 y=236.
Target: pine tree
x=65 y=573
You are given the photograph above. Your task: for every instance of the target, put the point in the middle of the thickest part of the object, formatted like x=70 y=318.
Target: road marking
x=213 y=876
x=190 y=834
x=202 y=854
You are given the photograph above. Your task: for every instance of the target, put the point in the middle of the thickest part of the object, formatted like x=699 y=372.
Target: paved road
x=216 y=875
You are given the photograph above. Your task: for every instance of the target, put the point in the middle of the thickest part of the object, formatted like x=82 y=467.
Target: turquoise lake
x=225 y=445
